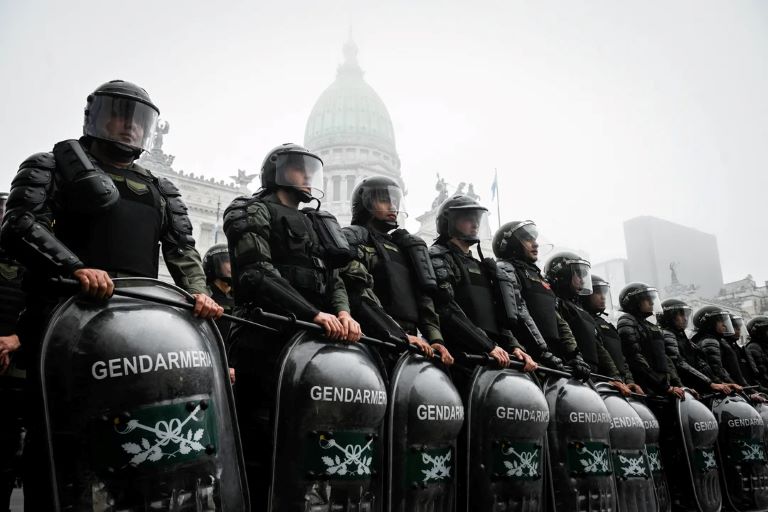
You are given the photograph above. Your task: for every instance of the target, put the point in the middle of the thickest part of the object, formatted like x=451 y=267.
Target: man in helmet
x=757 y=348
x=218 y=275
x=569 y=276
x=11 y=372
x=464 y=297
x=87 y=211
x=643 y=342
x=688 y=358
x=737 y=362
x=712 y=325
x=595 y=304
x=281 y=262
x=391 y=278
x=516 y=245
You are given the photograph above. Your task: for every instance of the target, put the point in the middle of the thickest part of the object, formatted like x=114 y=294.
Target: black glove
x=550 y=360
x=579 y=369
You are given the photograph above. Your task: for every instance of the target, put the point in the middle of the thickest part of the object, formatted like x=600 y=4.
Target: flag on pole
x=494 y=185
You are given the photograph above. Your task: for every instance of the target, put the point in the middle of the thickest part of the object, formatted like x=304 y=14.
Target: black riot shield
x=696 y=467
x=581 y=472
x=762 y=410
x=507 y=421
x=635 y=490
x=329 y=419
x=741 y=454
x=652 y=450
x=138 y=407
x=425 y=416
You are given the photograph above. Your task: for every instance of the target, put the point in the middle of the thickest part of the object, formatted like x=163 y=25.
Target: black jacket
x=643 y=346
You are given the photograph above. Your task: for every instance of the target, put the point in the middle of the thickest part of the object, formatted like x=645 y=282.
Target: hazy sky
x=593 y=112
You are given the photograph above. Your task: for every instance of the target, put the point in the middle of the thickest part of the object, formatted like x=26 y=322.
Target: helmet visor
x=300 y=171
x=721 y=323
x=738 y=322
x=122 y=120
x=528 y=235
x=385 y=203
x=581 y=278
x=672 y=313
x=648 y=301
x=470 y=224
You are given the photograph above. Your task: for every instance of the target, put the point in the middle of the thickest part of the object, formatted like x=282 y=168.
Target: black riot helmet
x=632 y=297
x=601 y=288
x=508 y=240
x=122 y=114
x=215 y=264
x=670 y=310
x=374 y=196
x=569 y=275
x=460 y=217
x=709 y=319
x=757 y=328
x=295 y=168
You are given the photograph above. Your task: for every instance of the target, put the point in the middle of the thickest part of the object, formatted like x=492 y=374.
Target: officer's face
x=225 y=268
x=125 y=130
x=530 y=249
x=384 y=209
x=720 y=327
x=736 y=332
x=298 y=177
x=468 y=224
x=597 y=300
x=646 y=305
x=681 y=320
x=577 y=282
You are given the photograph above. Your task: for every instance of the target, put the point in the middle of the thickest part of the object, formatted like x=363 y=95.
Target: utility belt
x=313 y=280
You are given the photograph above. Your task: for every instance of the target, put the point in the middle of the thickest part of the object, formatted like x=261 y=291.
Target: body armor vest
x=653 y=338
x=542 y=303
x=125 y=237
x=296 y=252
x=474 y=294
x=611 y=341
x=393 y=282
x=730 y=356
x=584 y=330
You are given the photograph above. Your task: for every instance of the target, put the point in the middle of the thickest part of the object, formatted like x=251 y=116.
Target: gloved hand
x=550 y=360
x=579 y=368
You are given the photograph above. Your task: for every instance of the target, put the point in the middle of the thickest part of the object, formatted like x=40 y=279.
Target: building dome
x=349 y=112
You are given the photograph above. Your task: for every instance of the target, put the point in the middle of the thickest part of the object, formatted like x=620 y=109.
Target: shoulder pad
x=627 y=320
x=39 y=161
x=437 y=250
x=167 y=188
x=32 y=176
x=356 y=235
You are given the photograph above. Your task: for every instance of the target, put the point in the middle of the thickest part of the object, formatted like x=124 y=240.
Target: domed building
x=351 y=130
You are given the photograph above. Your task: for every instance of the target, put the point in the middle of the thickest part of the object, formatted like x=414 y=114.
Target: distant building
x=206 y=198
x=658 y=249
x=746 y=296
x=351 y=130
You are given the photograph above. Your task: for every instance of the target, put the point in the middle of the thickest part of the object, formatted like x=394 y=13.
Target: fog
x=592 y=112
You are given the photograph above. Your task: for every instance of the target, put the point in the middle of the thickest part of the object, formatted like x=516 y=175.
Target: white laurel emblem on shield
x=752 y=451
x=597 y=462
x=354 y=462
x=166 y=432
x=632 y=466
x=709 y=459
x=440 y=469
x=654 y=461
x=526 y=463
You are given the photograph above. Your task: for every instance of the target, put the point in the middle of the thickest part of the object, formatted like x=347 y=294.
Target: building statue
x=471 y=193
x=442 y=192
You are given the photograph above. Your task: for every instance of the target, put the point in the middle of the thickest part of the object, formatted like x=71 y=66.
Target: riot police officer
x=643 y=342
x=465 y=294
x=688 y=358
x=757 y=348
x=737 y=361
x=569 y=276
x=390 y=281
x=280 y=263
x=712 y=325
x=87 y=211
x=595 y=303
x=516 y=245
x=218 y=275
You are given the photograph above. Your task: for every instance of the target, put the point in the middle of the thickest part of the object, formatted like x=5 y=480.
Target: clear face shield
x=385 y=204
x=581 y=278
x=121 y=120
x=600 y=299
x=533 y=245
x=302 y=172
x=648 y=303
x=468 y=223
x=677 y=316
x=738 y=325
x=721 y=323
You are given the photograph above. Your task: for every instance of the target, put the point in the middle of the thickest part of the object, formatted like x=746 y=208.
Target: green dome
x=349 y=112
